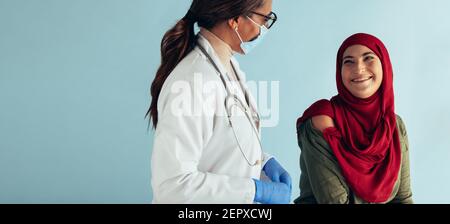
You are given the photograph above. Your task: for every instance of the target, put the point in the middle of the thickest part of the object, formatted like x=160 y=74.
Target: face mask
x=249 y=46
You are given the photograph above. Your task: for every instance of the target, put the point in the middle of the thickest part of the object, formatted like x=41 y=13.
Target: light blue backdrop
x=74 y=79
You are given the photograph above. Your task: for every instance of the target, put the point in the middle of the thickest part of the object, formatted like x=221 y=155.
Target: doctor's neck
x=220 y=45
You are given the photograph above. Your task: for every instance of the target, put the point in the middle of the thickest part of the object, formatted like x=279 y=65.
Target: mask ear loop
x=239 y=36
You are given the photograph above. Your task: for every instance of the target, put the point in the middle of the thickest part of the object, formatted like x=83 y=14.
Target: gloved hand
x=272 y=192
x=277 y=173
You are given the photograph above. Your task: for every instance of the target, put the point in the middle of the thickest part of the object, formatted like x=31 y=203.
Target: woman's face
x=248 y=30
x=362 y=71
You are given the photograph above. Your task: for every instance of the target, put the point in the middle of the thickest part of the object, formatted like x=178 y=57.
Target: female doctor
x=207 y=145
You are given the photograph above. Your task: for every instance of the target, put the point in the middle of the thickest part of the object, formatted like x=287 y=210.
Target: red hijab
x=365 y=139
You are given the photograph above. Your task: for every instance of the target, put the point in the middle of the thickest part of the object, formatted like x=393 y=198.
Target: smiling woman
x=354 y=147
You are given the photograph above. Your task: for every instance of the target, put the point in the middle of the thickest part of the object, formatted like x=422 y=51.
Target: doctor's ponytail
x=175 y=45
x=180 y=40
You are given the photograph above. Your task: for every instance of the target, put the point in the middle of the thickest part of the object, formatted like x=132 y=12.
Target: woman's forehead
x=357 y=50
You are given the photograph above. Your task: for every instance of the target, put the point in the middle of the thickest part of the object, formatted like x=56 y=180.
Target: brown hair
x=181 y=39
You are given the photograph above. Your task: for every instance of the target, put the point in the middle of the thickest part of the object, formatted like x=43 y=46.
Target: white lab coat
x=195 y=158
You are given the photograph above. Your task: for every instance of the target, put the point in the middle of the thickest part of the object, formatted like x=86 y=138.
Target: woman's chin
x=362 y=93
x=362 y=90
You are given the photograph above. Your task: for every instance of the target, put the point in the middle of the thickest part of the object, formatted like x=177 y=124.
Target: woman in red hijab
x=354 y=148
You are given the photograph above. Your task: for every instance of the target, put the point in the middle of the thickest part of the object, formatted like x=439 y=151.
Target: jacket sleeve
x=404 y=194
x=320 y=167
x=179 y=140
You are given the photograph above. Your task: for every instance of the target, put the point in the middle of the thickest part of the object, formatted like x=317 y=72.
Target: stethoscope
x=232 y=101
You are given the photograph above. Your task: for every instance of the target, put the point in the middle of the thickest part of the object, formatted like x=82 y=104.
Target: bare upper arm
x=322 y=122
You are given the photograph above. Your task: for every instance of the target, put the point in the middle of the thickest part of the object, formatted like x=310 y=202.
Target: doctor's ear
x=233 y=23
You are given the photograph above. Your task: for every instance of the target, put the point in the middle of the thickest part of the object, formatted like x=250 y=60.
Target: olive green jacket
x=321 y=180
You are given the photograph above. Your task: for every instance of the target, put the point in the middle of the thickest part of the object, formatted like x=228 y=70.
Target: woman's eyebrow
x=363 y=55
x=367 y=53
x=347 y=57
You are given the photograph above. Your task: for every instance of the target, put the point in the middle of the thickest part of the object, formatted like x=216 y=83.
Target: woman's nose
x=360 y=67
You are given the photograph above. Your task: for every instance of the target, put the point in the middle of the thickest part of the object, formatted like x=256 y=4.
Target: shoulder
x=313 y=145
x=195 y=63
x=310 y=138
x=322 y=122
x=194 y=76
x=401 y=126
x=403 y=134
x=194 y=70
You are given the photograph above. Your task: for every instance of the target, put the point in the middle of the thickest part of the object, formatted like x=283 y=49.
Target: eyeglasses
x=270 y=19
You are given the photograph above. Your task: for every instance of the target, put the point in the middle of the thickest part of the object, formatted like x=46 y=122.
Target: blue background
x=74 y=80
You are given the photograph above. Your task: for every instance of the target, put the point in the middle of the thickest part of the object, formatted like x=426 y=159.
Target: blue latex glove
x=277 y=173
x=272 y=193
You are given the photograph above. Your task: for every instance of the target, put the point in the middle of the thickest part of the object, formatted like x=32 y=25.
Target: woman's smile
x=362 y=79
x=362 y=83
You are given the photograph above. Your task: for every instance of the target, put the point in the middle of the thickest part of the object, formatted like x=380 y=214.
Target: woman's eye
x=368 y=58
x=348 y=62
